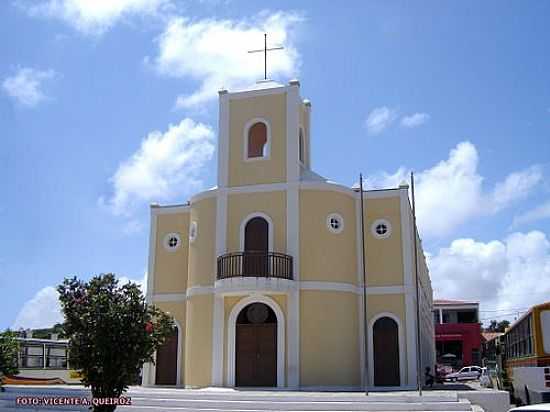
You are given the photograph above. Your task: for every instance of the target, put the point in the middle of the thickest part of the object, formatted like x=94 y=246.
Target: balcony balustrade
x=255 y=264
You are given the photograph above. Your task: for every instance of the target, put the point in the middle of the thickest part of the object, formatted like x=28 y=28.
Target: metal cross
x=265 y=50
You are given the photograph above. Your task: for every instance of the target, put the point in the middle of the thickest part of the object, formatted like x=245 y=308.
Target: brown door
x=167 y=361
x=256 y=357
x=256 y=234
x=386 y=352
x=256 y=346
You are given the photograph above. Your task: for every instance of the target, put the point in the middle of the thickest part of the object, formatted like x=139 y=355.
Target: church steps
x=302 y=405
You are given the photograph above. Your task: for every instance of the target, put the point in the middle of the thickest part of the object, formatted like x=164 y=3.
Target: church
x=263 y=273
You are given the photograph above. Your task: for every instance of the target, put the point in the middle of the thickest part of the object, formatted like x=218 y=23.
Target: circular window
x=381 y=229
x=257 y=313
x=335 y=223
x=193 y=231
x=172 y=241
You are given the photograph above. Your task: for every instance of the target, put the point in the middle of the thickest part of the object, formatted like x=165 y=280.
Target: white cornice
x=244 y=285
x=280 y=186
x=169 y=209
x=255 y=93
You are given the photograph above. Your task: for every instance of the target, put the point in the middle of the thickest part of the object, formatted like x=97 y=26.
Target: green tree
x=112 y=332
x=495 y=326
x=9 y=349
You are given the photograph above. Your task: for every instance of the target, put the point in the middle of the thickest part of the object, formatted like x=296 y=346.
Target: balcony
x=255 y=265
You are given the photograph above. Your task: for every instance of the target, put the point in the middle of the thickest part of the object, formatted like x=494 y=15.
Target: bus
x=526 y=355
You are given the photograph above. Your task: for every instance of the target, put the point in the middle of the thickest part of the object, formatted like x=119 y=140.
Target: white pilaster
x=292 y=126
x=217 y=341
x=223 y=139
x=293 y=228
x=148 y=373
x=218 y=310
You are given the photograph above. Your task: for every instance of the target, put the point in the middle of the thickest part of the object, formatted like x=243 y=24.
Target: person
x=429 y=377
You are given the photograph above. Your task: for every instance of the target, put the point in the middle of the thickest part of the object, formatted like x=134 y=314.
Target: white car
x=466 y=373
x=541 y=407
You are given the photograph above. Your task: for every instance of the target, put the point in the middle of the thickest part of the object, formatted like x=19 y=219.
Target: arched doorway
x=256 y=246
x=166 y=366
x=256 y=346
x=386 y=352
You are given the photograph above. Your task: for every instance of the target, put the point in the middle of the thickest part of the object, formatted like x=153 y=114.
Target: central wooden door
x=166 y=367
x=256 y=347
x=256 y=244
x=386 y=352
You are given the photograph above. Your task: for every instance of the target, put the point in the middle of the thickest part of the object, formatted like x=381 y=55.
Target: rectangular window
x=31 y=356
x=56 y=357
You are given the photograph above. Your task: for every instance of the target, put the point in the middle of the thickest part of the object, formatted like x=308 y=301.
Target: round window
x=193 y=231
x=335 y=223
x=172 y=241
x=381 y=229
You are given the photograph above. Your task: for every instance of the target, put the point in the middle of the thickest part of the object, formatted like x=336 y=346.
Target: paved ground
x=218 y=399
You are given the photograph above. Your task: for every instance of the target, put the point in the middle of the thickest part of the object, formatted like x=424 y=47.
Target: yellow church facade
x=263 y=273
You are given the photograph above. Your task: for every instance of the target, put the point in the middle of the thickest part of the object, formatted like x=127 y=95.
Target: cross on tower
x=265 y=50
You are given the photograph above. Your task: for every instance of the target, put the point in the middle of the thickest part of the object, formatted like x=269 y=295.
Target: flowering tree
x=9 y=349
x=112 y=332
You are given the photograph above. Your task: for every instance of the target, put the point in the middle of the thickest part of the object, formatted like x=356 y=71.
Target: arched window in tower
x=257 y=140
x=301 y=144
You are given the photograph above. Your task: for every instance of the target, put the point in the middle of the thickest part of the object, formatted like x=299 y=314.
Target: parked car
x=541 y=407
x=466 y=373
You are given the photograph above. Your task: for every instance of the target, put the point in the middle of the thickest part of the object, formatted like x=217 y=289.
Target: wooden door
x=256 y=355
x=256 y=244
x=166 y=367
x=386 y=352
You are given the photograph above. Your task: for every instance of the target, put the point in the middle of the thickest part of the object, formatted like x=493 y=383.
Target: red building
x=457 y=332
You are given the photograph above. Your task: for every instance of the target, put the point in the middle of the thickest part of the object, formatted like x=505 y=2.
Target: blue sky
x=103 y=105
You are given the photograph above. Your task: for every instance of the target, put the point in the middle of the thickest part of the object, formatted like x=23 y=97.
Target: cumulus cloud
x=167 y=164
x=379 y=119
x=491 y=272
x=415 y=120
x=516 y=186
x=451 y=192
x=25 y=86
x=214 y=52
x=533 y=215
x=43 y=310
x=96 y=17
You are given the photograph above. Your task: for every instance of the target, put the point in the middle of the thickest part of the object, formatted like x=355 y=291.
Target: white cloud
x=516 y=186
x=167 y=164
x=25 y=86
x=96 y=16
x=380 y=119
x=491 y=272
x=415 y=120
x=43 y=310
x=451 y=192
x=533 y=215
x=214 y=52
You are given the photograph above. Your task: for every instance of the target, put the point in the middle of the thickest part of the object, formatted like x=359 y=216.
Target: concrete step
x=273 y=396
x=292 y=405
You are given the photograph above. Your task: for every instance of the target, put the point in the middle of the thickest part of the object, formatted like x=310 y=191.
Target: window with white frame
x=302 y=146
x=381 y=229
x=257 y=140
x=335 y=223
x=172 y=241
x=193 y=231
